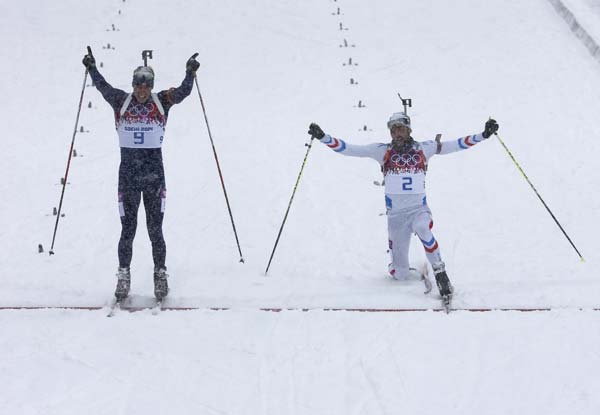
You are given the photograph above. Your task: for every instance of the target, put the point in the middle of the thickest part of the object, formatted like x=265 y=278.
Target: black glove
x=192 y=64
x=315 y=131
x=491 y=126
x=89 y=61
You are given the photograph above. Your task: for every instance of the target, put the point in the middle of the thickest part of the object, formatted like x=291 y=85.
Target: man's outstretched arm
x=461 y=143
x=375 y=151
x=115 y=97
x=176 y=95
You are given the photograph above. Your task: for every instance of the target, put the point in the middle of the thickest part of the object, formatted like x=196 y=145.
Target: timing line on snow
x=301 y=309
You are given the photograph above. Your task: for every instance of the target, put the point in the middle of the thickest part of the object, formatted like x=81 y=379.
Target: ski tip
x=447 y=303
x=157 y=307
x=111 y=312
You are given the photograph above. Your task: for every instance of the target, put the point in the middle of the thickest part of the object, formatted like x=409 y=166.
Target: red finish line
x=281 y=309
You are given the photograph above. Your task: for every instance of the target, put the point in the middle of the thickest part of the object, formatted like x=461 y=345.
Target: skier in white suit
x=404 y=165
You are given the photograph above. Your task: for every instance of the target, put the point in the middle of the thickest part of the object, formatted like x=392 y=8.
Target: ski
x=422 y=273
x=114 y=308
x=447 y=303
x=157 y=307
x=425 y=278
x=124 y=305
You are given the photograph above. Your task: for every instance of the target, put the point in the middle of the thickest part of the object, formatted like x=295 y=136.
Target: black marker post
x=145 y=55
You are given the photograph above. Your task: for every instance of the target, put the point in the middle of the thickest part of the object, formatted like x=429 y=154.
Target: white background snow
x=269 y=68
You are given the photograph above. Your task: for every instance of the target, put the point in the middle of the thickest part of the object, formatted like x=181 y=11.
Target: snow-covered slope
x=268 y=70
x=249 y=362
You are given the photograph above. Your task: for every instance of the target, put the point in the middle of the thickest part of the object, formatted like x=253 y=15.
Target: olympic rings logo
x=407 y=160
x=141 y=110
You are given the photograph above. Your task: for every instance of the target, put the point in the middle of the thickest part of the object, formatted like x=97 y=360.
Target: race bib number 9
x=138 y=138
x=141 y=135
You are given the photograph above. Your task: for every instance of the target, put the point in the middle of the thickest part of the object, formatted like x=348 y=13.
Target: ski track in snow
x=268 y=70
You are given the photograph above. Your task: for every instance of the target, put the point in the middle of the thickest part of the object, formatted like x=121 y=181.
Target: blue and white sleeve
x=446 y=147
x=375 y=151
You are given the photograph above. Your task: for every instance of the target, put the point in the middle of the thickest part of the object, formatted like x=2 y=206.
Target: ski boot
x=444 y=285
x=123 y=283
x=161 y=287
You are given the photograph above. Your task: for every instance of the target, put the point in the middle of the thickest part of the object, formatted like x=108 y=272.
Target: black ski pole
x=62 y=194
x=538 y=195
x=309 y=145
x=218 y=168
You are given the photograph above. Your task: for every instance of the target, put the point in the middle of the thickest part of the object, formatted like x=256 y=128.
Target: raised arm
x=176 y=95
x=114 y=96
x=462 y=143
x=376 y=151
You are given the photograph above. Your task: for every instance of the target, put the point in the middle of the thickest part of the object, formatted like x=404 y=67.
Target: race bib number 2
x=405 y=183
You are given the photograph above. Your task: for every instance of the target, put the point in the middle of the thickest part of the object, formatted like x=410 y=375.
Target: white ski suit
x=405 y=199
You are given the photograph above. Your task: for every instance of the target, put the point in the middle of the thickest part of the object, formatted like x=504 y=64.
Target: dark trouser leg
x=154 y=199
x=129 y=202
